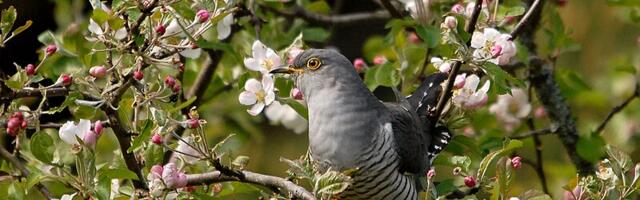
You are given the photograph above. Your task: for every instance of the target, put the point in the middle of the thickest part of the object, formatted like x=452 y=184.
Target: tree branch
x=446 y=95
x=254 y=178
x=23 y=170
x=335 y=20
x=534 y=10
x=391 y=9
x=544 y=131
x=617 y=109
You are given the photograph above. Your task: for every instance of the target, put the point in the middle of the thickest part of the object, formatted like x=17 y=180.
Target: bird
x=389 y=144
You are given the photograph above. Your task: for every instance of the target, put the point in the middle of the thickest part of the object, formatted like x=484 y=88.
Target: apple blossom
x=100 y=29
x=450 y=22
x=441 y=65
x=468 y=97
x=510 y=109
x=70 y=131
x=90 y=138
x=264 y=59
x=458 y=9
x=257 y=94
x=459 y=81
x=493 y=46
x=156 y=171
x=290 y=119
x=97 y=127
x=293 y=53
x=193 y=52
x=185 y=148
x=172 y=177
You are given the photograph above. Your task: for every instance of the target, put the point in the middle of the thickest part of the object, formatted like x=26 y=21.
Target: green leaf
x=315 y=34
x=487 y=160
x=16 y=190
x=241 y=161
x=576 y=81
x=626 y=3
x=9 y=16
x=99 y=16
x=430 y=34
x=535 y=195
x=42 y=147
x=319 y=7
x=461 y=161
x=591 y=148
x=17 y=80
x=144 y=136
x=120 y=173
x=115 y=23
x=499 y=78
x=70 y=99
x=445 y=187
x=510 y=11
x=22 y=28
x=387 y=75
x=331 y=183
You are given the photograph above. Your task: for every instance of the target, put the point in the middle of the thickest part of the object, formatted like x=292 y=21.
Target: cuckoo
x=389 y=144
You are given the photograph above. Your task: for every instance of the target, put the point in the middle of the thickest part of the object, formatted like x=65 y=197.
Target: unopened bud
x=176 y=88
x=97 y=127
x=450 y=22
x=51 y=49
x=516 y=162
x=193 y=123
x=540 y=112
x=460 y=81
x=379 y=59
x=90 y=138
x=470 y=181
x=30 y=69
x=65 y=80
x=359 y=64
x=296 y=94
x=160 y=29
x=138 y=75
x=414 y=38
x=202 y=16
x=169 y=81
x=496 y=50
x=431 y=173
x=156 y=139
x=98 y=71
x=458 y=9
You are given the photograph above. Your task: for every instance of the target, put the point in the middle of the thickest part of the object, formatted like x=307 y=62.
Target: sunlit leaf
x=42 y=146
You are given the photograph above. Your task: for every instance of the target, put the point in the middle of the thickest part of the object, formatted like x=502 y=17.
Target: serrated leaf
x=430 y=34
x=489 y=158
x=387 y=75
x=331 y=183
x=8 y=17
x=144 y=136
x=42 y=147
x=500 y=78
x=17 y=80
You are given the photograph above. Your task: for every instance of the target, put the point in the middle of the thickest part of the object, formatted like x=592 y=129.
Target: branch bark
x=334 y=20
x=23 y=170
x=254 y=178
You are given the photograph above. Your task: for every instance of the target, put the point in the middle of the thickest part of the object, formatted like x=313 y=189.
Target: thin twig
x=335 y=20
x=544 y=131
x=617 y=109
x=23 y=170
x=538 y=148
x=391 y=9
x=534 y=8
x=251 y=177
x=446 y=95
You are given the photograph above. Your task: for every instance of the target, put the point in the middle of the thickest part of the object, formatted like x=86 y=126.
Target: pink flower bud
x=414 y=38
x=516 y=162
x=18 y=115
x=540 y=112
x=194 y=46
x=176 y=88
x=65 y=79
x=160 y=29
x=470 y=181
x=379 y=59
x=156 y=139
x=202 y=15
x=450 y=22
x=90 y=138
x=138 y=75
x=359 y=64
x=14 y=123
x=297 y=94
x=431 y=173
x=24 y=124
x=51 y=49
x=181 y=67
x=97 y=127
x=496 y=50
x=181 y=181
x=12 y=131
x=169 y=81
x=156 y=171
x=193 y=123
x=30 y=69
x=460 y=81
x=98 y=71
x=458 y=9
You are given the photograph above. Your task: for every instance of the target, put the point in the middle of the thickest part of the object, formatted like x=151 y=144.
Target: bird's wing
x=410 y=142
x=426 y=96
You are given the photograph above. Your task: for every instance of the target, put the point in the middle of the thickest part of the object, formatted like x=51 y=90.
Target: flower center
x=261 y=94
x=267 y=64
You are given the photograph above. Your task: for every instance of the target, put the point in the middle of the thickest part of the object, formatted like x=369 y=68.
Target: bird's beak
x=285 y=69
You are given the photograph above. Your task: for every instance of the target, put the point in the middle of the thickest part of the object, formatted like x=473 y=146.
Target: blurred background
x=605 y=43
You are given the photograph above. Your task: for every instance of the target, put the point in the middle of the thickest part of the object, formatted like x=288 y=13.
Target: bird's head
x=317 y=69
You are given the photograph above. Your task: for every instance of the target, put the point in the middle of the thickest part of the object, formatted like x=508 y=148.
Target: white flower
x=69 y=131
x=493 y=46
x=469 y=9
x=224 y=26
x=156 y=187
x=279 y=113
x=510 y=109
x=67 y=196
x=100 y=30
x=191 y=53
x=185 y=148
x=257 y=94
x=115 y=187
x=411 y=6
x=441 y=65
x=467 y=97
x=264 y=59
x=605 y=173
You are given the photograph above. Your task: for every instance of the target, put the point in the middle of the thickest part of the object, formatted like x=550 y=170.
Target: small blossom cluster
x=15 y=123
x=71 y=132
x=467 y=95
x=511 y=109
x=165 y=177
x=493 y=46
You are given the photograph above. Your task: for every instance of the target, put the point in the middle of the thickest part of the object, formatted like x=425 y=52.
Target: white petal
x=121 y=34
x=270 y=97
x=472 y=82
x=252 y=64
x=173 y=28
x=191 y=53
x=523 y=111
x=247 y=98
x=478 y=40
x=83 y=127
x=267 y=83
x=94 y=27
x=67 y=133
x=256 y=109
x=224 y=27
x=436 y=60
x=252 y=85
x=185 y=148
x=491 y=34
x=271 y=55
x=274 y=112
x=445 y=67
x=485 y=87
x=68 y=196
x=258 y=50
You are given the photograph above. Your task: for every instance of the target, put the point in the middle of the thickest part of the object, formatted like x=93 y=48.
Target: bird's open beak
x=285 y=69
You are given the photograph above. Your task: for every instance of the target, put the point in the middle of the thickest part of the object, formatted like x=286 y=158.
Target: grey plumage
x=390 y=144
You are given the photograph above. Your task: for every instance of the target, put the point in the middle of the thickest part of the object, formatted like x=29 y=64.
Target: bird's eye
x=313 y=63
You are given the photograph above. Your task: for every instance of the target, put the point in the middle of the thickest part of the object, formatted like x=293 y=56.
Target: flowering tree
x=146 y=96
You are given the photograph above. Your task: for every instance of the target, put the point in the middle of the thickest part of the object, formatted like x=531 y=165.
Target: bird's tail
x=424 y=100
